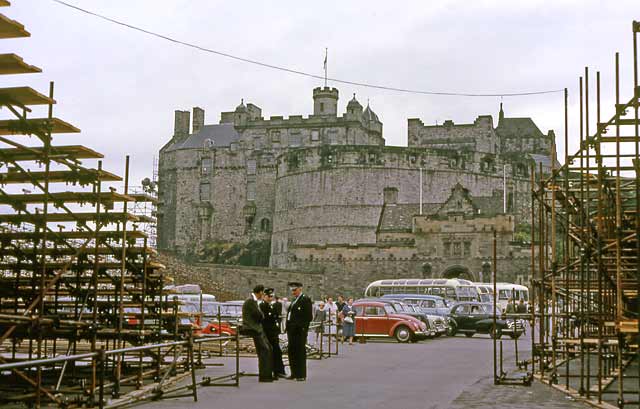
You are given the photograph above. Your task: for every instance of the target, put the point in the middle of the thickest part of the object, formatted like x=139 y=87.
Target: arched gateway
x=458 y=271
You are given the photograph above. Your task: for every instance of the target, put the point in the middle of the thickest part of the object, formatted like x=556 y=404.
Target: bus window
x=450 y=292
x=504 y=294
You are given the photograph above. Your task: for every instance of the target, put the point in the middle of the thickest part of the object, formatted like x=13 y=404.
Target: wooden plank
x=36 y=153
x=65 y=197
x=14 y=64
x=23 y=96
x=11 y=28
x=38 y=126
x=114 y=217
x=82 y=177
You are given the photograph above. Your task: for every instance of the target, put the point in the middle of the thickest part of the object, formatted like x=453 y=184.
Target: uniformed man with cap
x=271 y=325
x=252 y=318
x=299 y=315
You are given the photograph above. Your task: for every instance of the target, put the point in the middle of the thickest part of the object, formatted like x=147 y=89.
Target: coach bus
x=451 y=289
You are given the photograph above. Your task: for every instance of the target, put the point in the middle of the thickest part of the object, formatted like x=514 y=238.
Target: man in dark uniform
x=252 y=318
x=299 y=315
x=271 y=325
x=278 y=307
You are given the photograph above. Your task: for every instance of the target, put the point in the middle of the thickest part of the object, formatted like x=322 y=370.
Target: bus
x=485 y=291
x=516 y=292
x=451 y=289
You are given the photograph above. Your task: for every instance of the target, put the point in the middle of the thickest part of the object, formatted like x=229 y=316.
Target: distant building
x=324 y=193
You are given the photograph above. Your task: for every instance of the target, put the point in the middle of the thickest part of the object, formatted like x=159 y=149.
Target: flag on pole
x=325 y=58
x=325 y=66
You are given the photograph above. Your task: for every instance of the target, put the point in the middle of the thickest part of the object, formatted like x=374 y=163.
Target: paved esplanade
x=433 y=374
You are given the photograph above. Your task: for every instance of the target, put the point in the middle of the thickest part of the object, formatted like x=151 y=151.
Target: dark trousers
x=265 y=359
x=274 y=341
x=297 y=350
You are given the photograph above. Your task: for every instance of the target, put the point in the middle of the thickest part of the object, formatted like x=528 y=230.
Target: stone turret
x=241 y=114
x=325 y=101
x=371 y=120
x=354 y=110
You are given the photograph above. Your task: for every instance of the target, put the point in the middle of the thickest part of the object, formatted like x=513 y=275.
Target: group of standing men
x=261 y=316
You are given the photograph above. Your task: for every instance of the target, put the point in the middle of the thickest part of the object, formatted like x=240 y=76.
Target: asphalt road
x=433 y=374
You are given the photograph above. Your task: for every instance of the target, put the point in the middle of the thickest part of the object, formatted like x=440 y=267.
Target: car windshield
x=389 y=309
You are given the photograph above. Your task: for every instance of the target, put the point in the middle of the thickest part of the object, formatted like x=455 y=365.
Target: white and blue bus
x=451 y=289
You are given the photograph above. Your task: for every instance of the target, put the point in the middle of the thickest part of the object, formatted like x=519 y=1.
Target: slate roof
x=544 y=159
x=518 y=127
x=220 y=134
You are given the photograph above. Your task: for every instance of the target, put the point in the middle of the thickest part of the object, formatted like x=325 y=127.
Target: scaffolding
x=585 y=263
x=83 y=310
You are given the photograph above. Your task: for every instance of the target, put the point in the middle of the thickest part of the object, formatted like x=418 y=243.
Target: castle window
x=265 y=225
x=390 y=195
x=205 y=192
x=322 y=107
x=251 y=167
x=205 y=166
x=315 y=135
x=275 y=136
x=251 y=191
x=447 y=249
x=457 y=249
x=467 y=248
x=295 y=139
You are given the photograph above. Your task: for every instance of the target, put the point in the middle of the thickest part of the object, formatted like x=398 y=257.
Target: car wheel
x=453 y=329
x=469 y=334
x=403 y=334
x=495 y=332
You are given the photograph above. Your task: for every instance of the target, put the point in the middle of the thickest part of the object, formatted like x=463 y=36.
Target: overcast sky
x=121 y=87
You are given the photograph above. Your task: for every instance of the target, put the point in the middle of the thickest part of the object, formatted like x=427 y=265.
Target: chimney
x=181 y=124
x=198 y=119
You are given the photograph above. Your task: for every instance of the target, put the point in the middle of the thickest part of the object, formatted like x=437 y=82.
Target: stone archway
x=458 y=271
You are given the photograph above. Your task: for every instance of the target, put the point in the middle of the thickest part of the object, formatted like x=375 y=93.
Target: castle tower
x=354 y=110
x=240 y=115
x=325 y=101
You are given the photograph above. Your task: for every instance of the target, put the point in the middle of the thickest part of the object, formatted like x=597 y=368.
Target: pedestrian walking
x=299 y=316
x=319 y=319
x=271 y=326
x=252 y=319
x=348 y=314
x=340 y=304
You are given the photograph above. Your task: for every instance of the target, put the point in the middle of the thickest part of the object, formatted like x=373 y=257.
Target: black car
x=471 y=318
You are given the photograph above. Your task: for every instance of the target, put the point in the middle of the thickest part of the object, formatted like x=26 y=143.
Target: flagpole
x=326 y=51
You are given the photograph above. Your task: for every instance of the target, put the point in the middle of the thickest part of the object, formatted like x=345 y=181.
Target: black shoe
x=281 y=375
x=266 y=380
x=291 y=378
x=301 y=379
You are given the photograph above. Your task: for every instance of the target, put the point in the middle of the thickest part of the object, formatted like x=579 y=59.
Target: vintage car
x=431 y=304
x=222 y=328
x=378 y=319
x=471 y=318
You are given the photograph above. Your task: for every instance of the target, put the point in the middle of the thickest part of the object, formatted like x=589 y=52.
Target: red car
x=377 y=319
x=219 y=329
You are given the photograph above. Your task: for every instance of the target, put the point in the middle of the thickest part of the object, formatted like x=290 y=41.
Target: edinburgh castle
x=323 y=196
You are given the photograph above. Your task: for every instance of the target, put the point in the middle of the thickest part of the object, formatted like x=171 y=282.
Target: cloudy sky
x=121 y=86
